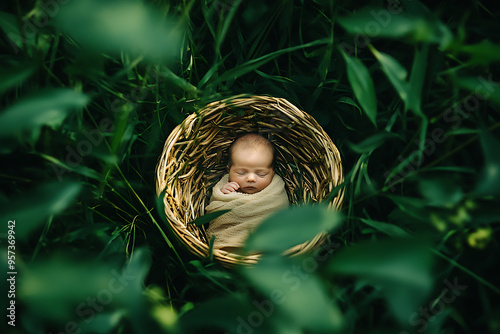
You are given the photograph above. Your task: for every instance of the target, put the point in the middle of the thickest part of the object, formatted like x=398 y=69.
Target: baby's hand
x=230 y=187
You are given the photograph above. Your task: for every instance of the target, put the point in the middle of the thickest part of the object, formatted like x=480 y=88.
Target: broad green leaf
x=298 y=224
x=396 y=73
x=362 y=85
x=389 y=229
x=67 y=285
x=294 y=288
x=413 y=27
x=483 y=87
x=208 y=217
x=116 y=26
x=49 y=108
x=10 y=26
x=484 y=52
x=488 y=182
x=412 y=206
x=34 y=207
x=230 y=313
x=401 y=268
x=440 y=192
x=11 y=77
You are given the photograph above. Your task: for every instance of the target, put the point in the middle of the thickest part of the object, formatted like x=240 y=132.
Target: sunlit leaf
x=292 y=226
x=362 y=86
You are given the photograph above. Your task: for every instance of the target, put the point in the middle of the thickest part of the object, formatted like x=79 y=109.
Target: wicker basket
x=195 y=157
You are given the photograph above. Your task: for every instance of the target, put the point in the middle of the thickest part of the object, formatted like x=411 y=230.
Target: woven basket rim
x=192 y=123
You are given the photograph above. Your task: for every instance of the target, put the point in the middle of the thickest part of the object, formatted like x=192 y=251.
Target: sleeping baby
x=251 y=190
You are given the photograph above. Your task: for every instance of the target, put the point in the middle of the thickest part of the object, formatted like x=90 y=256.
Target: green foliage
x=408 y=90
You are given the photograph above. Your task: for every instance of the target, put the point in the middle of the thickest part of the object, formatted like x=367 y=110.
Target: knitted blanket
x=247 y=211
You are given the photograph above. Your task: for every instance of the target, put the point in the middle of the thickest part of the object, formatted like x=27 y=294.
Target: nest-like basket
x=195 y=157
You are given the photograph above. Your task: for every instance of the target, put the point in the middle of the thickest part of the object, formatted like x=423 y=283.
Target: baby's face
x=251 y=169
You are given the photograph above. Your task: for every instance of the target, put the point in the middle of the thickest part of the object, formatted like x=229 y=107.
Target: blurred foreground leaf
x=291 y=227
x=115 y=26
x=488 y=182
x=401 y=268
x=484 y=52
x=412 y=27
x=292 y=289
x=482 y=87
x=13 y=76
x=48 y=108
x=81 y=290
x=44 y=201
x=441 y=192
x=231 y=313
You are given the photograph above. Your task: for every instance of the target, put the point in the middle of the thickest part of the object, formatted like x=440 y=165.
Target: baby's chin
x=249 y=190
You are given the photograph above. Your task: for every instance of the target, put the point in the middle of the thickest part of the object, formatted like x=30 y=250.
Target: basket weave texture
x=195 y=157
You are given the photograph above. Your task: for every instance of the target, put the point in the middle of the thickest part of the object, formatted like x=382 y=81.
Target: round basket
x=195 y=157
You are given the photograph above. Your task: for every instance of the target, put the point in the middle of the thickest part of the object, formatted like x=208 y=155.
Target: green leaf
x=116 y=26
x=482 y=87
x=10 y=25
x=253 y=64
x=49 y=108
x=412 y=27
x=396 y=73
x=11 y=77
x=230 y=312
x=389 y=229
x=417 y=78
x=33 y=208
x=401 y=268
x=295 y=290
x=371 y=143
x=483 y=53
x=441 y=192
x=298 y=224
x=489 y=179
x=208 y=217
x=362 y=85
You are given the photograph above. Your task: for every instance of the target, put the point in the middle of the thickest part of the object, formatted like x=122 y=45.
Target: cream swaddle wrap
x=247 y=211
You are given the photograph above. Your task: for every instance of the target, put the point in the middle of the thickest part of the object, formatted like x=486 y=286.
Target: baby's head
x=251 y=163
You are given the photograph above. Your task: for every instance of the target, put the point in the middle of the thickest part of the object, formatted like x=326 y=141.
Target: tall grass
x=408 y=91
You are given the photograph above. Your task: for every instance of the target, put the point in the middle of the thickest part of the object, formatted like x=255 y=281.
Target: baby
x=251 y=190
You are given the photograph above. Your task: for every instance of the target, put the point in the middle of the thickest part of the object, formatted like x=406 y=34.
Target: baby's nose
x=250 y=178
